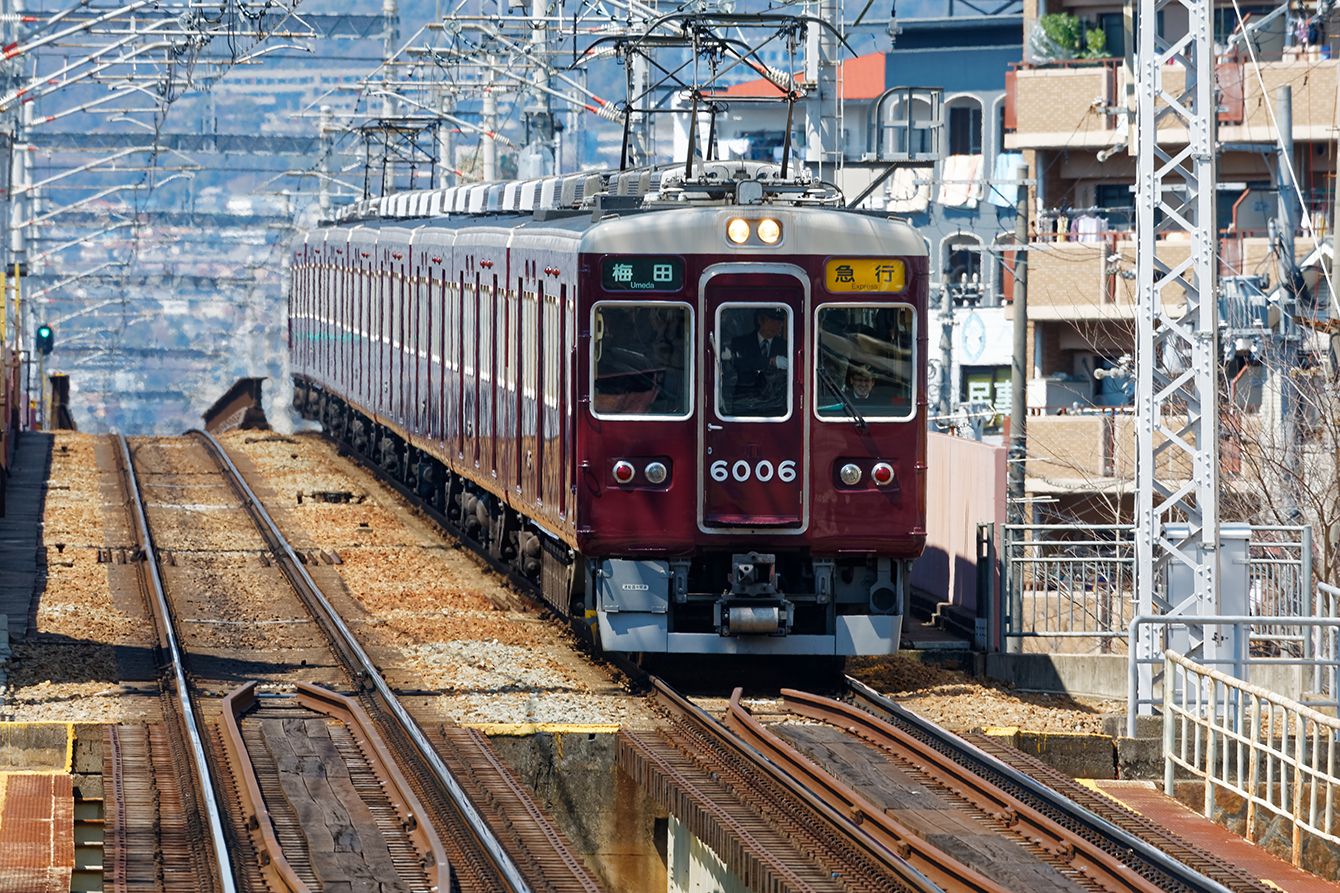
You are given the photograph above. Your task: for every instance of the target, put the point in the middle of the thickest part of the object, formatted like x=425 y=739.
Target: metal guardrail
x=1278 y=755
x=1147 y=686
x=1070 y=581
x=1067 y=581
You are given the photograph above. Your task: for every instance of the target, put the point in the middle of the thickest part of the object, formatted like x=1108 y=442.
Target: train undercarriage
x=722 y=601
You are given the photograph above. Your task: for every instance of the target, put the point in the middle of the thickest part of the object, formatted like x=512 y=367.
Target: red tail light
x=624 y=471
x=882 y=474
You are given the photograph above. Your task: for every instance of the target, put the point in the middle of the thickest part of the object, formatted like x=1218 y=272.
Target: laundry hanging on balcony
x=961 y=181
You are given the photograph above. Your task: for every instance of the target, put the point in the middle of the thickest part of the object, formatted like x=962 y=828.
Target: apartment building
x=1068 y=116
x=923 y=135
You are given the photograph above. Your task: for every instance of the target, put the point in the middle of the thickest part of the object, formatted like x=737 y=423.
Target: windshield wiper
x=850 y=407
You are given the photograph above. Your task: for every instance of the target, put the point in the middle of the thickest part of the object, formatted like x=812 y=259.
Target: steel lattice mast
x=1177 y=434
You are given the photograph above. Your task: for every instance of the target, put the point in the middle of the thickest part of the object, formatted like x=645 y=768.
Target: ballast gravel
x=440 y=623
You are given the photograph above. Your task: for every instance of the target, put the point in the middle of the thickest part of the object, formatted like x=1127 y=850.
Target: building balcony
x=1094 y=280
x=1090 y=452
x=1069 y=105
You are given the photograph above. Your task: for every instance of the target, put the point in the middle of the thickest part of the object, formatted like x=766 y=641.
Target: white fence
x=1276 y=754
x=1299 y=657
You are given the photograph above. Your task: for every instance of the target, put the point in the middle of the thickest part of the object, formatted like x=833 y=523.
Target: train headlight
x=624 y=471
x=737 y=230
x=769 y=231
x=850 y=474
x=882 y=474
x=656 y=472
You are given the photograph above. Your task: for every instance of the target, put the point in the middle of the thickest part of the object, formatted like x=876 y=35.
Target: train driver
x=760 y=359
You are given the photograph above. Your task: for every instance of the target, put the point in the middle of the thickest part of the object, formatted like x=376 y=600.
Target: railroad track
x=926 y=811
x=1148 y=848
x=380 y=744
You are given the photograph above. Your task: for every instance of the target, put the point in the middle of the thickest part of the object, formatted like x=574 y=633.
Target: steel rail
x=892 y=855
x=296 y=572
x=1093 y=823
x=190 y=720
x=274 y=865
x=861 y=817
x=1079 y=852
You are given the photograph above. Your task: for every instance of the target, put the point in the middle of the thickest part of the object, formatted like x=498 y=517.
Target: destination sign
x=642 y=274
x=865 y=274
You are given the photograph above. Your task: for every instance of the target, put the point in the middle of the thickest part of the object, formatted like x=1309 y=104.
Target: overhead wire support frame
x=1177 y=431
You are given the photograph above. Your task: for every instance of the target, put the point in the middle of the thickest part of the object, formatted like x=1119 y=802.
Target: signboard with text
x=642 y=274
x=865 y=275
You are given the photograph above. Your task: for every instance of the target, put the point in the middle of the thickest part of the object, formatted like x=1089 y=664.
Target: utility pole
x=1282 y=356
x=324 y=129
x=488 y=147
x=1018 y=451
x=821 y=129
x=390 y=42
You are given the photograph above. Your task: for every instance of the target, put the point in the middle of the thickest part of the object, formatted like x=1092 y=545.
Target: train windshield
x=754 y=341
x=641 y=364
x=865 y=357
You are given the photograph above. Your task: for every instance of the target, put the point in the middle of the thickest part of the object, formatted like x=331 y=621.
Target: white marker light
x=850 y=474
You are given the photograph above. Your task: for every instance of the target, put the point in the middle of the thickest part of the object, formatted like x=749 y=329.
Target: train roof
x=630 y=211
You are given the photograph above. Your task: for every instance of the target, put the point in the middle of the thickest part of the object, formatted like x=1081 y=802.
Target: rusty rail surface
x=1073 y=850
x=859 y=816
x=274 y=866
x=485 y=855
x=1090 y=816
x=894 y=859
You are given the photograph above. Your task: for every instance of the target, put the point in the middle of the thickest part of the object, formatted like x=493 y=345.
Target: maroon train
x=695 y=417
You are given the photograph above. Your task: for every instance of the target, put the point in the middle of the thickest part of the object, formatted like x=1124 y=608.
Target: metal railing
x=1069 y=581
x=1313 y=673
x=1276 y=754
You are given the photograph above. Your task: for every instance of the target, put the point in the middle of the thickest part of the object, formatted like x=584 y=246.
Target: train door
x=753 y=422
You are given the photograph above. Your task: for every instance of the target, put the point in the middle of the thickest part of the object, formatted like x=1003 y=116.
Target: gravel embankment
x=966 y=703
x=437 y=620
x=67 y=669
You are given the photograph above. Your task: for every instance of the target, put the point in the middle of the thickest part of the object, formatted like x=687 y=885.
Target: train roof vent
x=527 y=195
x=495 y=197
x=548 y=192
x=384 y=206
x=462 y=200
x=511 y=196
x=446 y=201
x=570 y=190
x=478 y=195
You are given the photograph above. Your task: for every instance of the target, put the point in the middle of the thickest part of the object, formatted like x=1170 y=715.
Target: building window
x=1114 y=33
x=962 y=269
x=965 y=128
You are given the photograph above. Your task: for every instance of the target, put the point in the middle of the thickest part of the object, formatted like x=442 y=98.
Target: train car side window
x=866 y=362
x=641 y=360
x=754 y=344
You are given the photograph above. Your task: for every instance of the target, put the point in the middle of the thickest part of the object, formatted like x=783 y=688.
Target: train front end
x=752 y=432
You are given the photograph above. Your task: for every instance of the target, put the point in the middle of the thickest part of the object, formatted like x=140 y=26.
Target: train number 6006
x=722 y=470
